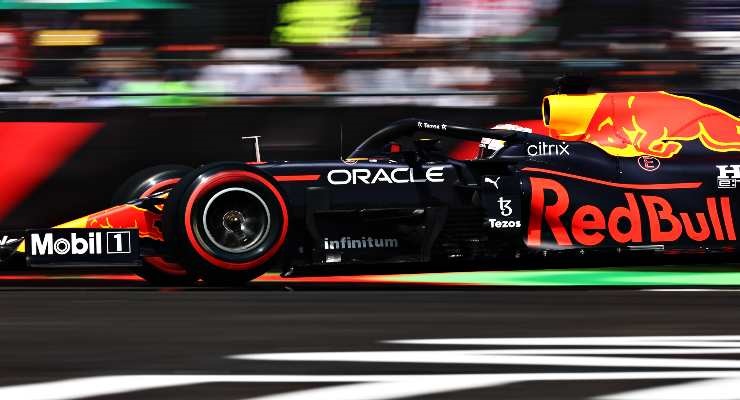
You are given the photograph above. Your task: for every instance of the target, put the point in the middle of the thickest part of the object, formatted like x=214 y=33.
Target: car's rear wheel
x=226 y=222
x=156 y=270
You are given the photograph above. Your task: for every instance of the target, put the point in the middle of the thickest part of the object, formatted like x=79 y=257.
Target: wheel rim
x=235 y=220
x=192 y=210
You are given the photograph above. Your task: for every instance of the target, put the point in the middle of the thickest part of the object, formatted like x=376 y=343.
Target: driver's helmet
x=488 y=148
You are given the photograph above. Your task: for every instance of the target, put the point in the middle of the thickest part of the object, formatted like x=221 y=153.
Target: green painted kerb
x=577 y=277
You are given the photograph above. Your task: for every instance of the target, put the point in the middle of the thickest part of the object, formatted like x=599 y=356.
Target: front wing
x=109 y=237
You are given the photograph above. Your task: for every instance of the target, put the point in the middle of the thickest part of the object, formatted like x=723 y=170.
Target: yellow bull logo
x=632 y=124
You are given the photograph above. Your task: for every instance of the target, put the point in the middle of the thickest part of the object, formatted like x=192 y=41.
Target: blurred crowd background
x=448 y=53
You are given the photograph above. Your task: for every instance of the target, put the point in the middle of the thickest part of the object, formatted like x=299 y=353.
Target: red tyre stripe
x=228 y=177
x=159 y=186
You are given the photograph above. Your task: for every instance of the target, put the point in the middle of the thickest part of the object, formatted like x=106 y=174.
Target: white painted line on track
x=635 y=341
x=690 y=290
x=714 y=389
x=442 y=357
x=720 y=382
x=115 y=384
x=527 y=352
x=72 y=389
x=389 y=390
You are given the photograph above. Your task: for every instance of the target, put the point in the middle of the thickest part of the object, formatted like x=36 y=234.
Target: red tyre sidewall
x=222 y=178
x=159 y=186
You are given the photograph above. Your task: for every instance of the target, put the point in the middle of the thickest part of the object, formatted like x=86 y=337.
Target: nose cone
x=568 y=114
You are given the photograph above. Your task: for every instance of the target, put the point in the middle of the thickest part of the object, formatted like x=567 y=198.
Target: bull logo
x=633 y=124
x=127 y=216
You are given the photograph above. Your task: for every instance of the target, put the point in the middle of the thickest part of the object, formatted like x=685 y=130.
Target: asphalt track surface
x=111 y=337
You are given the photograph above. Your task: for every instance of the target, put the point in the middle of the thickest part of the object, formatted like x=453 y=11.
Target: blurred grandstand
x=450 y=53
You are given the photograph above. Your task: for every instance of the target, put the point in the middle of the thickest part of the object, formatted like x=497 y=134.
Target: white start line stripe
x=690 y=290
x=445 y=357
x=713 y=389
x=711 y=383
x=612 y=341
x=81 y=388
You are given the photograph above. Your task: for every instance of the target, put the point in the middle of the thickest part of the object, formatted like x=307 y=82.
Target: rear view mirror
x=392 y=148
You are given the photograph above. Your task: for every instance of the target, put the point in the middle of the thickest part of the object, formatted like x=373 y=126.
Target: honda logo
x=728 y=176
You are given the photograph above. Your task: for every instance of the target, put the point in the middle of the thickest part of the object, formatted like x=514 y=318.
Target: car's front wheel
x=226 y=222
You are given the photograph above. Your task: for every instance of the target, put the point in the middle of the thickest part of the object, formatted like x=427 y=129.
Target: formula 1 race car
x=611 y=173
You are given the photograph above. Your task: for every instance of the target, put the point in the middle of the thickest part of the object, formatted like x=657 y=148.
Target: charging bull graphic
x=128 y=216
x=632 y=124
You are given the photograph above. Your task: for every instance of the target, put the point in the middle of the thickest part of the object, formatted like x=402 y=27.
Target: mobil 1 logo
x=82 y=246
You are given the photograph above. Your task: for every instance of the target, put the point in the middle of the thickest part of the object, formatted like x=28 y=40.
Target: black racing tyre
x=149 y=181
x=226 y=222
x=156 y=270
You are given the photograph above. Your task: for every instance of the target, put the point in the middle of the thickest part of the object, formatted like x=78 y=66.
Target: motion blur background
x=92 y=91
x=493 y=52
